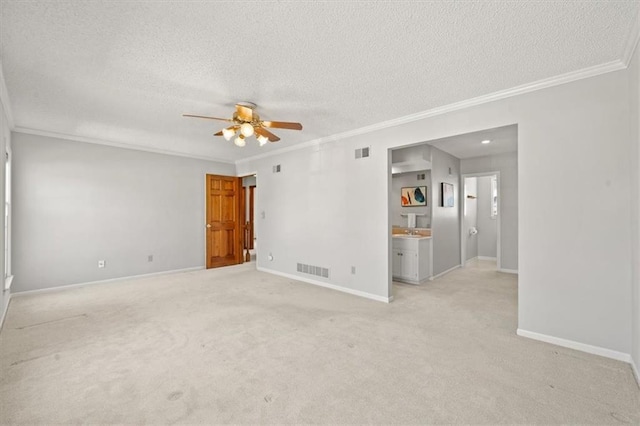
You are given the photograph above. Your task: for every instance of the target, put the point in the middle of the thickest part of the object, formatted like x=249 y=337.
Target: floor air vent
x=313 y=270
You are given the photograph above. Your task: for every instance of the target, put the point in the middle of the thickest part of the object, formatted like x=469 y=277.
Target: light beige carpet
x=235 y=345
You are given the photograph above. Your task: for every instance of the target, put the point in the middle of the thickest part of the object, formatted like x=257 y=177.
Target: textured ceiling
x=126 y=71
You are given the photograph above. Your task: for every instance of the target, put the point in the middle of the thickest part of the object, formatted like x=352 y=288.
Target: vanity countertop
x=411 y=233
x=411 y=237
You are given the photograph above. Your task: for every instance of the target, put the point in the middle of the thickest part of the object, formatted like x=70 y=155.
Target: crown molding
x=4 y=99
x=502 y=94
x=632 y=41
x=38 y=132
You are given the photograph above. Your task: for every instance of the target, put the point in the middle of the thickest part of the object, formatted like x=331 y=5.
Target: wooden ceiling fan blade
x=244 y=113
x=264 y=132
x=282 y=125
x=208 y=118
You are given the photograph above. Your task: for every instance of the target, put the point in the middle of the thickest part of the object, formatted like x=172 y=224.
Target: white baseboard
x=327 y=285
x=481 y=258
x=634 y=368
x=583 y=347
x=4 y=312
x=487 y=258
x=445 y=272
x=112 y=280
x=508 y=271
x=7 y=282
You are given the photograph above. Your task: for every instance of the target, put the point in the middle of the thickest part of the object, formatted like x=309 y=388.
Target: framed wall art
x=411 y=196
x=446 y=195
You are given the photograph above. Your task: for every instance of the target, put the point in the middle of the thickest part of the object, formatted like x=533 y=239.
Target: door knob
x=208 y=225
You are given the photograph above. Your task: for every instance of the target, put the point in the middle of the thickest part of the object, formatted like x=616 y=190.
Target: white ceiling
x=503 y=140
x=124 y=72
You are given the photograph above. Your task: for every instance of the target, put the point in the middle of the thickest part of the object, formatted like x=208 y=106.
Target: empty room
x=325 y=212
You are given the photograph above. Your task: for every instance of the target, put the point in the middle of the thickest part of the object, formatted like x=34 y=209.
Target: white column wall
x=634 y=99
x=5 y=140
x=445 y=224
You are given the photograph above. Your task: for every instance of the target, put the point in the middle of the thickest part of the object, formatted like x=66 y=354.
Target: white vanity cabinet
x=411 y=259
x=405 y=264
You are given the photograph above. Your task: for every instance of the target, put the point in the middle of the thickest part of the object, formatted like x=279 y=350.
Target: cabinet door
x=409 y=264
x=405 y=264
x=396 y=264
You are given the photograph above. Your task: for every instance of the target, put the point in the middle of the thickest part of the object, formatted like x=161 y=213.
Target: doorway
x=480 y=224
x=225 y=218
x=249 y=185
x=445 y=163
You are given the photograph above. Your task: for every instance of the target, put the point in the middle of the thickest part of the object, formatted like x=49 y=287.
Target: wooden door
x=225 y=219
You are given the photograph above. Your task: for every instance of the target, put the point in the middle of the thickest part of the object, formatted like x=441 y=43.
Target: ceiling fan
x=248 y=123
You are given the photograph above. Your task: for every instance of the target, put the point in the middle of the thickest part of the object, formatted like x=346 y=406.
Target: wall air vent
x=276 y=168
x=313 y=270
x=362 y=152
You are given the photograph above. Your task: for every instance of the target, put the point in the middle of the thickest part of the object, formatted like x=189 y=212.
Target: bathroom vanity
x=411 y=258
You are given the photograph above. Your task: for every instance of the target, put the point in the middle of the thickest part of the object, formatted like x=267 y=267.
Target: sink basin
x=409 y=236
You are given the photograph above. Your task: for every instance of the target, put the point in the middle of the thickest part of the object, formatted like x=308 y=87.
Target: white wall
x=5 y=140
x=487 y=226
x=400 y=180
x=410 y=156
x=322 y=210
x=470 y=217
x=634 y=91
x=574 y=254
x=76 y=203
x=507 y=165
x=445 y=221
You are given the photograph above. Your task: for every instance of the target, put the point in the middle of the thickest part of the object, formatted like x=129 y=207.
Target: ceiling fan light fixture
x=228 y=133
x=246 y=129
x=246 y=123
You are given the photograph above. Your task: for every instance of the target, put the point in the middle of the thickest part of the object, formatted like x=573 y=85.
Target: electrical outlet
x=101 y=263
x=150 y=258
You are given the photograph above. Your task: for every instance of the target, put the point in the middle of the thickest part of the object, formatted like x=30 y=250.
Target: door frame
x=244 y=206
x=251 y=221
x=463 y=195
